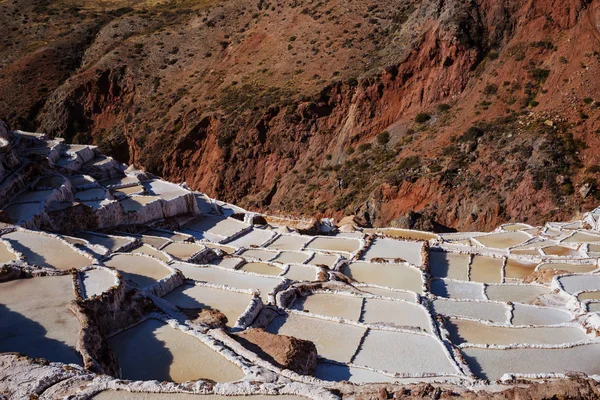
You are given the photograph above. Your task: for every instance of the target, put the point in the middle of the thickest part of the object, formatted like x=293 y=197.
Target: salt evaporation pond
x=524 y=314
x=123 y=395
x=255 y=237
x=323 y=259
x=110 y=242
x=223 y=248
x=503 y=240
x=517 y=269
x=420 y=354
x=409 y=296
x=182 y=251
x=515 y=227
x=35 y=319
x=515 y=293
x=334 y=341
x=32 y=196
x=128 y=190
x=457 y=289
x=594 y=306
x=301 y=273
x=491 y=364
x=486 y=269
x=220 y=226
x=94 y=282
x=227 y=262
x=467 y=331
x=144 y=271
x=334 y=244
x=155 y=350
x=151 y=251
x=23 y=211
x=449 y=265
x=392 y=249
x=404 y=233
x=397 y=276
x=165 y=190
x=230 y=303
x=46 y=251
x=259 y=254
x=5 y=254
x=289 y=242
x=337 y=373
x=261 y=268
x=582 y=237
x=176 y=237
x=576 y=268
x=579 y=283
x=483 y=310
x=288 y=257
x=560 y=251
x=588 y=296
x=135 y=203
x=90 y=194
x=331 y=305
x=399 y=313
x=54 y=181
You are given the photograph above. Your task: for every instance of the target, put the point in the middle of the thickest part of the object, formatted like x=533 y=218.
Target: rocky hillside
x=427 y=114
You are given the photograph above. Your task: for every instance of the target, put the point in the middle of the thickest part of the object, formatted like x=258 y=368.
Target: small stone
x=585 y=190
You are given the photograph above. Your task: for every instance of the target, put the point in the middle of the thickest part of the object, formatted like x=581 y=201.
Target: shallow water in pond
x=395 y=276
x=560 y=251
x=54 y=181
x=419 y=353
x=258 y=254
x=324 y=334
x=389 y=293
x=144 y=271
x=176 y=237
x=484 y=310
x=577 y=283
x=330 y=305
x=457 y=289
x=151 y=251
x=588 y=296
x=289 y=242
x=449 y=265
x=288 y=257
x=406 y=233
x=515 y=293
x=492 y=363
x=224 y=249
x=465 y=331
x=524 y=314
x=334 y=244
x=577 y=268
x=395 y=312
x=156 y=242
x=217 y=225
x=5 y=255
x=81 y=180
x=154 y=350
x=46 y=251
x=594 y=306
x=503 y=240
x=35 y=318
x=516 y=269
x=22 y=212
x=323 y=259
x=165 y=190
x=127 y=191
x=183 y=251
x=301 y=273
x=337 y=373
x=122 y=395
x=486 y=269
x=255 y=237
x=230 y=303
x=110 y=242
x=90 y=194
x=582 y=237
x=32 y=196
x=392 y=249
x=94 y=282
x=515 y=227
x=135 y=203
x=261 y=268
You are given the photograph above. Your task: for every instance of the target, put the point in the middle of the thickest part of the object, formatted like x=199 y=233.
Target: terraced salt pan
x=5 y=254
x=22 y=212
x=331 y=305
x=54 y=181
x=457 y=289
x=223 y=248
x=560 y=251
x=579 y=283
x=594 y=306
x=516 y=293
x=323 y=259
x=81 y=180
x=493 y=363
x=466 y=331
x=419 y=354
x=406 y=234
x=324 y=334
x=32 y=196
x=582 y=237
x=483 y=310
x=35 y=318
x=176 y=237
x=576 y=268
x=449 y=265
x=486 y=269
x=154 y=241
x=182 y=251
x=334 y=244
x=516 y=269
x=515 y=227
x=396 y=276
x=261 y=268
x=229 y=278
x=395 y=312
x=289 y=242
x=230 y=303
x=91 y=194
x=301 y=273
x=122 y=395
x=94 y=282
x=255 y=237
x=392 y=248
x=110 y=242
x=151 y=251
x=116 y=182
x=164 y=190
x=588 y=296
x=503 y=240
x=228 y=262
x=408 y=296
x=221 y=226
x=258 y=254
x=46 y=251
x=135 y=203
x=337 y=373
x=127 y=191
x=154 y=350
x=288 y=257
x=144 y=271
x=531 y=315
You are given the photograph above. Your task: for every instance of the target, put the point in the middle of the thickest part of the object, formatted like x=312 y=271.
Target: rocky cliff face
x=430 y=114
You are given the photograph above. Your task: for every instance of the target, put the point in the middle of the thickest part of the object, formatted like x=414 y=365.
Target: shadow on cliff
x=23 y=335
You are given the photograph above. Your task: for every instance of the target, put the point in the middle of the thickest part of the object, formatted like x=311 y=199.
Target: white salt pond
x=223 y=248
x=409 y=296
x=467 y=331
x=589 y=296
x=560 y=251
x=230 y=303
x=503 y=240
x=143 y=271
x=22 y=212
x=457 y=289
x=334 y=341
x=483 y=310
x=289 y=242
x=594 y=306
x=418 y=353
x=255 y=237
x=491 y=364
x=135 y=203
x=164 y=190
x=337 y=373
x=46 y=251
x=331 y=305
x=94 y=282
x=579 y=283
x=392 y=249
x=334 y=244
x=32 y=196
x=449 y=265
x=258 y=254
x=515 y=227
x=516 y=269
x=576 y=268
x=35 y=318
x=404 y=233
x=261 y=268
x=128 y=190
x=154 y=350
x=486 y=269
x=228 y=262
x=397 y=276
x=398 y=313
x=516 y=293
x=91 y=194
x=182 y=251
x=221 y=226
x=289 y=257
x=582 y=237
x=323 y=259
x=524 y=314
x=112 y=243
x=301 y=273
x=54 y=181
x=230 y=278
x=174 y=236
x=122 y=395
x=151 y=251
x=154 y=241
x=5 y=254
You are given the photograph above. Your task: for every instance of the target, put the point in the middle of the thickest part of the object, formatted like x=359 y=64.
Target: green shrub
x=421 y=118
x=350 y=150
x=364 y=147
x=443 y=107
x=383 y=138
x=490 y=89
x=588 y=100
